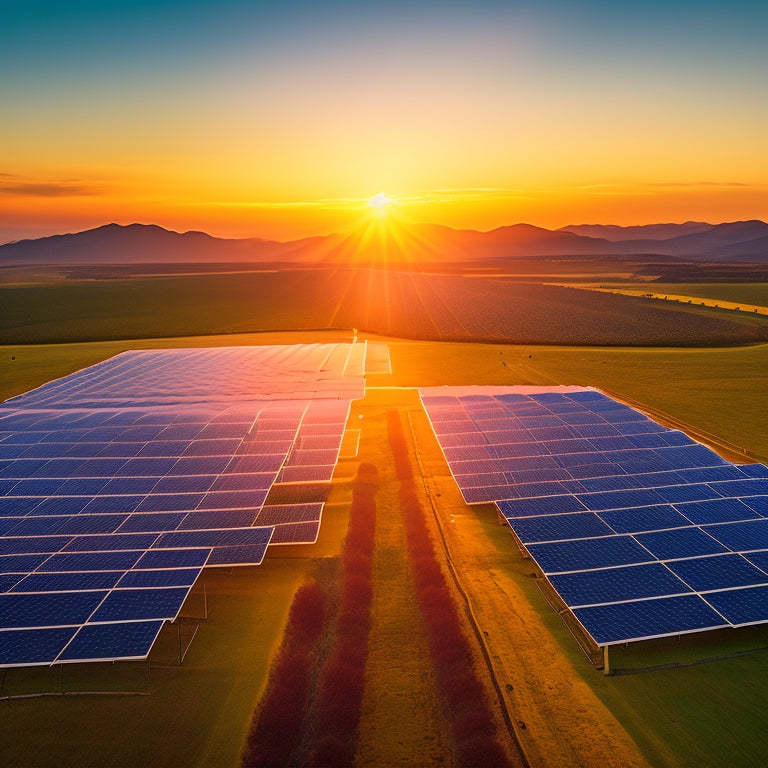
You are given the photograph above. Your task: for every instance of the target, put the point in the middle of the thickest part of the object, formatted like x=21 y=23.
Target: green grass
x=706 y=715
x=744 y=293
x=196 y=714
x=720 y=391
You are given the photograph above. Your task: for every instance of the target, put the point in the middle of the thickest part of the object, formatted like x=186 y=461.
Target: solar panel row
x=119 y=483
x=641 y=530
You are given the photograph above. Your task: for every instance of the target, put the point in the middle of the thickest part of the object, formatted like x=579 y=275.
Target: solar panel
x=613 y=585
x=67 y=582
x=631 y=522
x=645 y=619
x=741 y=606
x=99 y=642
x=141 y=604
x=718 y=572
x=641 y=519
x=679 y=543
x=558 y=527
x=144 y=468
x=29 y=647
x=588 y=554
x=24 y=611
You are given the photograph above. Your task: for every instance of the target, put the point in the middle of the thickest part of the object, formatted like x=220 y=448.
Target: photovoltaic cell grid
x=642 y=531
x=119 y=483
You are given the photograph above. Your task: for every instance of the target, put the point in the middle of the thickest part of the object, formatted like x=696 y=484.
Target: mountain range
x=734 y=242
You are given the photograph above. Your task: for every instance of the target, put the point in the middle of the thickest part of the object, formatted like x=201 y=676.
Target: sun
x=379 y=203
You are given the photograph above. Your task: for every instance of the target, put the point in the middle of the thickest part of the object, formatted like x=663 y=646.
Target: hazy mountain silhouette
x=393 y=241
x=615 y=233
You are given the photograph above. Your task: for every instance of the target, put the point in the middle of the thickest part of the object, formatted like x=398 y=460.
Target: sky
x=282 y=119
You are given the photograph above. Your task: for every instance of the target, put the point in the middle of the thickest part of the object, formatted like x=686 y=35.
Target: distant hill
x=745 y=241
x=617 y=234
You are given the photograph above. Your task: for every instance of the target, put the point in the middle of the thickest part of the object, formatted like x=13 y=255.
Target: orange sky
x=280 y=120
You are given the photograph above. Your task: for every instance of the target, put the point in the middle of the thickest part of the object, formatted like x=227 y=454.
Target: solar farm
x=121 y=482
x=129 y=485
x=642 y=531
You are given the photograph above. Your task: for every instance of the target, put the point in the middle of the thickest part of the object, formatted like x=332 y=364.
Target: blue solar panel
x=28 y=647
x=67 y=582
x=219 y=518
x=644 y=519
x=94 y=642
x=760 y=559
x=64 y=505
x=694 y=492
x=22 y=611
x=179 y=577
x=756 y=487
x=710 y=474
x=82 y=487
x=9 y=580
x=588 y=554
x=754 y=470
x=90 y=561
x=21 y=563
x=214 y=538
x=169 y=502
x=32 y=545
x=173 y=558
x=640 y=619
x=152 y=522
x=741 y=537
x=536 y=490
x=638 y=497
x=679 y=543
x=129 y=485
x=557 y=527
x=141 y=604
x=718 y=572
x=757 y=503
x=37 y=487
x=245 y=482
x=244 y=555
x=232 y=499
x=145 y=468
x=111 y=542
x=648 y=440
x=111 y=504
x=550 y=505
x=91 y=524
x=741 y=606
x=716 y=511
x=34 y=526
x=611 y=585
x=184 y=484
x=603 y=477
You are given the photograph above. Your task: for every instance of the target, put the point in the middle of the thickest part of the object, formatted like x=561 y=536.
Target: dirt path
x=558 y=720
x=401 y=722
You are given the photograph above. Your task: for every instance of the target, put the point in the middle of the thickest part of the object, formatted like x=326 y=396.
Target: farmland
x=437 y=307
x=675 y=364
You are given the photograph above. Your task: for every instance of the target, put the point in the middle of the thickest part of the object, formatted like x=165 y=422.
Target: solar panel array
x=642 y=531
x=121 y=482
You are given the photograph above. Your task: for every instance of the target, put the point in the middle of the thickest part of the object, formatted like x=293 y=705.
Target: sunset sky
x=281 y=119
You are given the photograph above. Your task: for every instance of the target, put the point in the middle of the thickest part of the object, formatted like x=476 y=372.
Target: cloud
x=11 y=184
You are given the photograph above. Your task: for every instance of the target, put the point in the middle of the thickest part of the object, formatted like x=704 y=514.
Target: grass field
x=741 y=293
x=448 y=307
x=705 y=715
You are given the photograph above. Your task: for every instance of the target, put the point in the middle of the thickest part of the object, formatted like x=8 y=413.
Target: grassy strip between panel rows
x=311 y=708
x=473 y=726
x=277 y=725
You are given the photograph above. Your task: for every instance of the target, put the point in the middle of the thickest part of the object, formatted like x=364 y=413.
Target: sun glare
x=379 y=203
